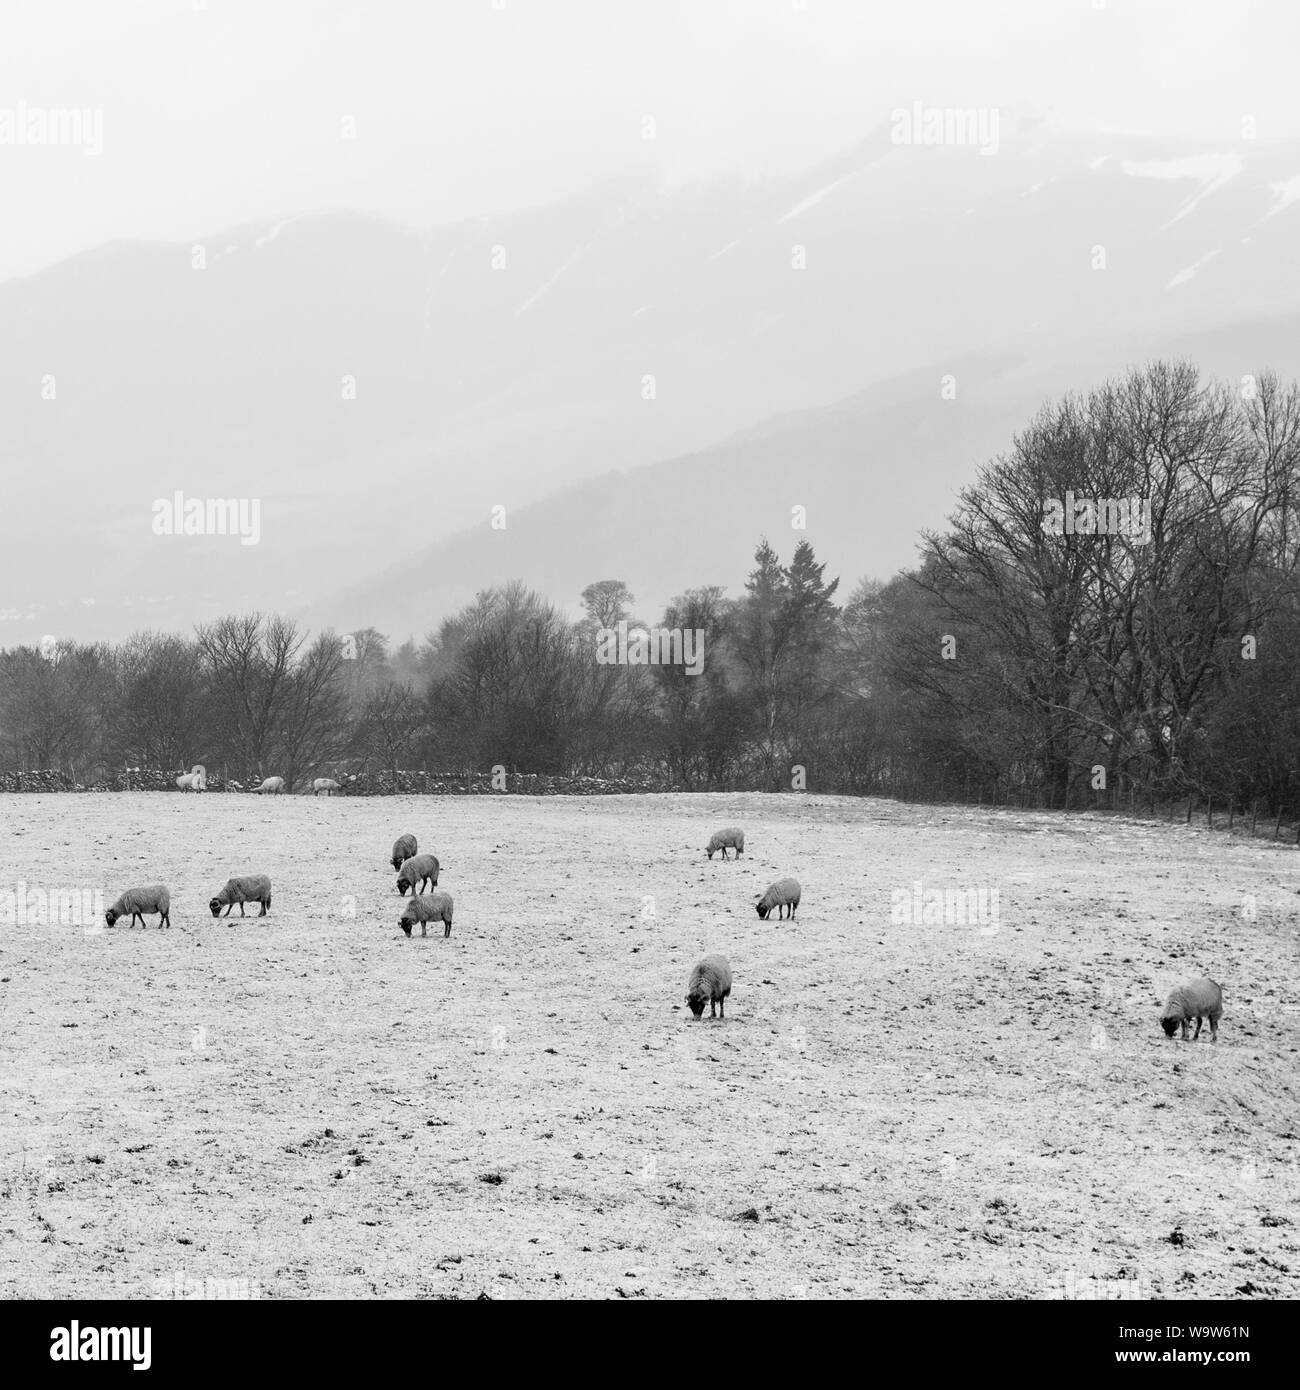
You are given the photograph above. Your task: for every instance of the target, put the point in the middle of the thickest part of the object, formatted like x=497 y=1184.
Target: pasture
x=313 y=1104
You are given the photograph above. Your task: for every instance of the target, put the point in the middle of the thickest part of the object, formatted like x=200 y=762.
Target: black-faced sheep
x=426 y=908
x=730 y=838
x=138 y=901
x=420 y=869
x=251 y=888
x=324 y=784
x=273 y=785
x=404 y=848
x=1193 y=999
x=710 y=984
x=782 y=894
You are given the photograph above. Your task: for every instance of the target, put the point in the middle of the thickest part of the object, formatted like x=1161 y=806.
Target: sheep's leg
x=424 y=929
x=1184 y=1027
x=264 y=906
x=447 y=933
x=1197 y=1034
x=241 y=907
x=722 y=1008
x=1214 y=1029
x=713 y=1009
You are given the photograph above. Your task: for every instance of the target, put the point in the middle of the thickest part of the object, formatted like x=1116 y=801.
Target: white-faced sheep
x=426 y=908
x=1193 y=999
x=251 y=888
x=273 y=785
x=710 y=984
x=195 y=780
x=404 y=848
x=324 y=784
x=730 y=838
x=419 y=869
x=782 y=894
x=138 y=901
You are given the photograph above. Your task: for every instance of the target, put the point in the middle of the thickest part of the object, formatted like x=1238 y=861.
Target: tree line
x=1111 y=609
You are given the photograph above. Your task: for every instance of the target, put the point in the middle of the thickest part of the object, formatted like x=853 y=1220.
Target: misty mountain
x=380 y=389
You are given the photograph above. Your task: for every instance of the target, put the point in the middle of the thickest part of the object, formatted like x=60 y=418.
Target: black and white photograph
x=649 y=651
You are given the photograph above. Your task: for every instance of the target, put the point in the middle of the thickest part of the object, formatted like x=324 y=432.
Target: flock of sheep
x=196 y=780
x=710 y=980
x=709 y=983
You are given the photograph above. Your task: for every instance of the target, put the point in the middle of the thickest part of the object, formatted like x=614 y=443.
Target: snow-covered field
x=314 y=1105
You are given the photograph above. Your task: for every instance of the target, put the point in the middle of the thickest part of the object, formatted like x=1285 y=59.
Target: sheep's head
x=696 y=1001
x=402 y=885
x=709 y=850
x=110 y=916
x=216 y=905
x=1170 y=1025
x=405 y=925
x=762 y=909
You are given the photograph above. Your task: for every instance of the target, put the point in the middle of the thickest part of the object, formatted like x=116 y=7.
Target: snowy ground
x=315 y=1105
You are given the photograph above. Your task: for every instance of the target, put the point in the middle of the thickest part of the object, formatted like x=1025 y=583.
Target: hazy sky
x=217 y=112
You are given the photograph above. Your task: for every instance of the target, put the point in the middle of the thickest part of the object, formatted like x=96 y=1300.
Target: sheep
x=274 y=785
x=1194 y=999
x=730 y=838
x=404 y=848
x=710 y=983
x=251 y=888
x=782 y=894
x=195 y=780
x=421 y=869
x=138 y=901
x=426 y=908
x=324 y=784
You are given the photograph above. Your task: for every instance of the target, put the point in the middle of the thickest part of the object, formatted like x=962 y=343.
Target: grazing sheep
x=274 y=785
x=421 y=869
x=251 y=888
x=404 y=848
x=138 y=901
x=710 y=983
x=430 y=907
x=324 y=784
x=730 y=838
x=782 y=894
x=1193 y=999
x=195 y=780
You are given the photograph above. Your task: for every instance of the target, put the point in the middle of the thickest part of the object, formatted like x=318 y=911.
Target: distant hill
x=522 y=386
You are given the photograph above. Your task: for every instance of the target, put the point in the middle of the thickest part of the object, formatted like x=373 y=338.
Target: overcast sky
x=217 y=112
